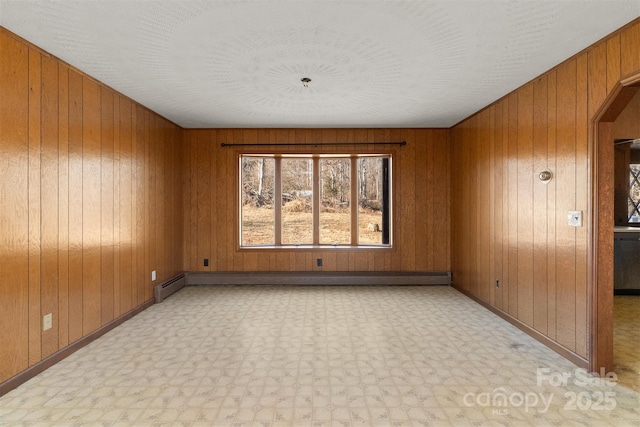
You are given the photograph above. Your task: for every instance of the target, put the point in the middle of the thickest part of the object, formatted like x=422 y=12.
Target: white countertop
x=623 y=229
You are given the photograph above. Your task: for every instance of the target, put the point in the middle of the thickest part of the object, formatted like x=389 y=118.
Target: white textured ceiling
x=372 y=63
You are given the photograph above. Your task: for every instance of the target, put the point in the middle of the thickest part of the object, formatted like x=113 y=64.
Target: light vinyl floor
x=317 y=356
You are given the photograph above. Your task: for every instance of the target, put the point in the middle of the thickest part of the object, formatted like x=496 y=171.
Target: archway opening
x=602 y=151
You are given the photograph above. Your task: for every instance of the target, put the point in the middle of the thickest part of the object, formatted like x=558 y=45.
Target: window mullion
x=354 y=201
x=277 y=205
x=315 y=203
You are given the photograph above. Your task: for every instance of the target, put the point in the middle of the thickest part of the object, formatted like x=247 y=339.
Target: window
x=257 y=196
x=634 y=194
x=315 y=200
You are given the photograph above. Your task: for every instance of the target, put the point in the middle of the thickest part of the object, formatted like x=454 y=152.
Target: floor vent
x=163 y=290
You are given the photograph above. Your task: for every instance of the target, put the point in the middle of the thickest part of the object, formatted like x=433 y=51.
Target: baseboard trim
x=319 y=278
x=558 y=348
x=56 y=357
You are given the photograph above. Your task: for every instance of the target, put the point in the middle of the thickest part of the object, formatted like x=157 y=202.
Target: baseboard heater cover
x=171 y=286
x=319 y=278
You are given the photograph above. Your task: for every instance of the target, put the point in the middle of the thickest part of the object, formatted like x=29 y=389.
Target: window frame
x=633 y=206
x=277 y=156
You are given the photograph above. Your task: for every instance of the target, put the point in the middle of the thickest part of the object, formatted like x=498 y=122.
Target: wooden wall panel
x=457 y=239
x=542 y=261
x=153 y=149
x=504 y=279
x=63 y=206
x=116 y=207
x=35 y=89
x=581 y=203
x=540 y=197
x=14 y=206
x=629 y=52
x=187 y=190
x=236 y=263
x=597 y=75
x=552 y=104
x=525 y=206
x=162 y=178
x=459 y=220
x=127 y=299
x=107 y=228
x=481 y=223
x=511 y=284
x=425 y=248
x=75 y=206
x=627 y=124
x=154 y=152
x=221 y=209
x=139 y=182
x=489 y=131
x=469 y=200
x=613 y=62
x=49 y=200
x=67 y=217
x=498 y=206
x=406 y=211
x=423 y=202
x=211 y=208
x=91 y=207
x=439 y=190
x=566 y=199
x=203 y=193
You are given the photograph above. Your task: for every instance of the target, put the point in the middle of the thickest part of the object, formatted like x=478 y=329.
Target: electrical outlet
x=47 y=322
x=206 y=262
x=319 y=262
x=153 y=276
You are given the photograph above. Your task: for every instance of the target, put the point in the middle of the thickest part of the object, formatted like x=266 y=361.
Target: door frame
x=601 y=233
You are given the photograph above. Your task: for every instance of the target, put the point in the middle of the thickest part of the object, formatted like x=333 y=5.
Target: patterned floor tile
x=321 y=356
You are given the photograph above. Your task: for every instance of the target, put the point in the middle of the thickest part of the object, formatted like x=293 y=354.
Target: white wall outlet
x=574 y=218
x=47 y=322
x=153 y=276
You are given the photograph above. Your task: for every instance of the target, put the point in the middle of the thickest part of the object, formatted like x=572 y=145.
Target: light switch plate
x=574 y=218
x=153 y=275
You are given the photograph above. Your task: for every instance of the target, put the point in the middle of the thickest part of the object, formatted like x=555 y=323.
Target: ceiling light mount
x=305 y=81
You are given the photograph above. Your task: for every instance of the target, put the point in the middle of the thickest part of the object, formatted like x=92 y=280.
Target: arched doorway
x=602 y=206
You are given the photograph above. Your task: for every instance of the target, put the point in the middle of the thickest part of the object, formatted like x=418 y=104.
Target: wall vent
x=173 y=285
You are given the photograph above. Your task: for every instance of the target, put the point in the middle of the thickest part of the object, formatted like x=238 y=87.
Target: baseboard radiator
x=320 y=278
x=171 y=286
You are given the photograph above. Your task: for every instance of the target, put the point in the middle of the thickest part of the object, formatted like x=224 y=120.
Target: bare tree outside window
x=370 y=200
x=297 y=193
x=258 y=220
x=335 y=201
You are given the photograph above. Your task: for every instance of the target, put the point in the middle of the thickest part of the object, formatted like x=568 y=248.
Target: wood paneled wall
x=420 y=201
x=90 y=203
x=507 y=226
x=627 y=125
